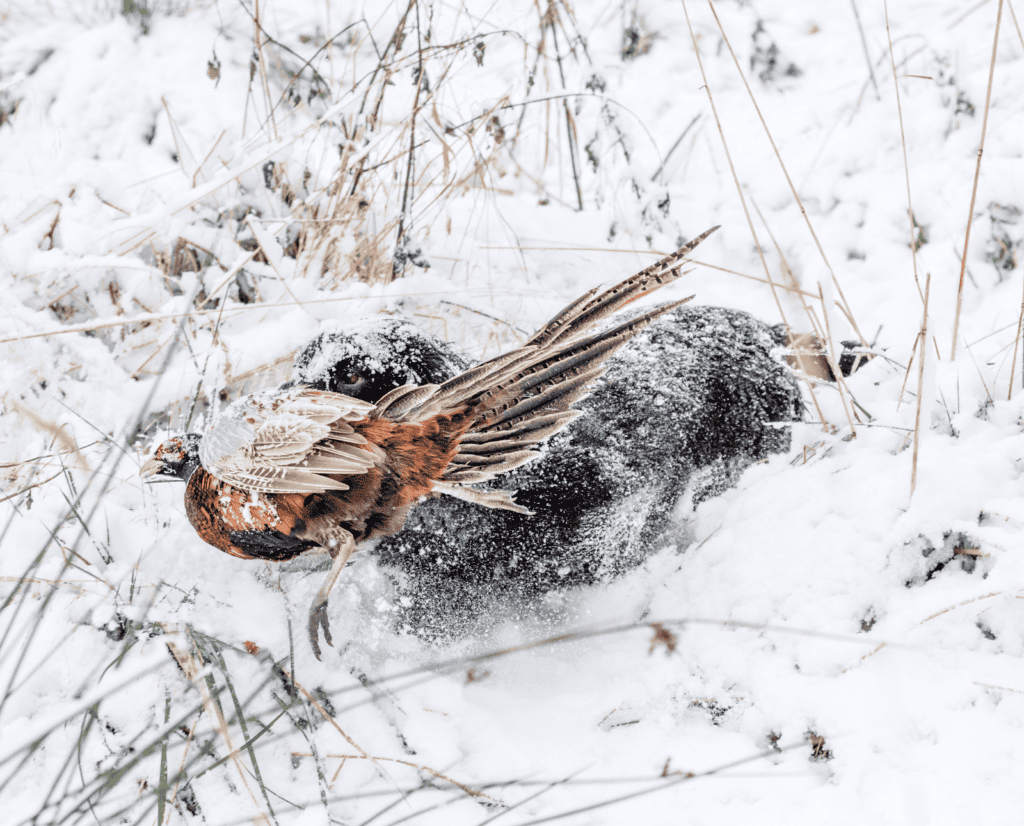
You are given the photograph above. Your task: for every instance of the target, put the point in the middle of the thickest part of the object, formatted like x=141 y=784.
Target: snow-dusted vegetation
x=191 y=191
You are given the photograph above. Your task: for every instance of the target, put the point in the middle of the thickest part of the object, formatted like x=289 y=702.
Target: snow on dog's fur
x=683 y=410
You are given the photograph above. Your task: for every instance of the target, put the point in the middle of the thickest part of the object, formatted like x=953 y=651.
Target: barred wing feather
x=288 y=444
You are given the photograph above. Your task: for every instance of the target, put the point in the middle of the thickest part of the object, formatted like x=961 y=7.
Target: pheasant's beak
x=151 y=467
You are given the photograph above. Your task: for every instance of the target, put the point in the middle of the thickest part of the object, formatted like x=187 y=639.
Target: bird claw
x=318 y=620
x=318 y=610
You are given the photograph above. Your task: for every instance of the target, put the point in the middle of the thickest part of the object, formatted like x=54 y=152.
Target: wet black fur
x=685 y=407
x=391 y=353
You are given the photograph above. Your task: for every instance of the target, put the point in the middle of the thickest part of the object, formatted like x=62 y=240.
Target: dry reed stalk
x=27 y=488
x=191 y=664
x=788 y=274
x=264 y=79
x=999 y=687
x=962 y=604
x=906 y=375
x=478 y=169
x=57 y=431
x=661 y=254
x=739 y=188
x=966 y=14
x=254 y=160
x=837 y=373
x=138 y=371
x=181 y=767
x=403 y=213
x=1013 y=15
x=418 y=766
x=181 y=146
x=867 y=56
x=231 y=273
x=266 y=367
x=802 y=361
x=920 y=383
x=1020 y=322
x=1016 y=344
x=393 y=43
x=977 y=367
x=903 y=141
x=785 y=172
x=273 y=253
x=977 y=174
x=675 y=146
x=331 y=213
x=570 y=123
x=732 y=168
x=202 y=163
x=45 y=206
x=151 y=317
x=363 y=754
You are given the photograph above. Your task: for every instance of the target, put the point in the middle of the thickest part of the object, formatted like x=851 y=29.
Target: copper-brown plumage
x=216 y=509
x=302 y=470
x=416 y=455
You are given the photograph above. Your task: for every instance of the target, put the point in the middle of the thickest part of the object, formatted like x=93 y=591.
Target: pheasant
x=301 y=470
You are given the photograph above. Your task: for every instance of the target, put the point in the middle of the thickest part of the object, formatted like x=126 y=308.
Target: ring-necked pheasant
x=297 y=470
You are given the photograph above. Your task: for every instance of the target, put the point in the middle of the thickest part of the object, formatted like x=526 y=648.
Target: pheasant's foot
x=318 y=610
x=317 y=620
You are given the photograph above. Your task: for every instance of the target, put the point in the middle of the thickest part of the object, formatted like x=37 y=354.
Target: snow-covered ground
x=830 y=647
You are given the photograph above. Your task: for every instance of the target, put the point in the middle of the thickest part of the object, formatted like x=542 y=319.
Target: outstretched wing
x=296 y=442
x=525 y=396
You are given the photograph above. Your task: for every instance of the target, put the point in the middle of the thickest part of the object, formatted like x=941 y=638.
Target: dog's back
x=684 y=408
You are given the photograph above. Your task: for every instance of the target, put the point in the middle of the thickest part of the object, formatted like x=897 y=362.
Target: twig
x=831 y=359
x=175 y=134
x=906 y=375
x=265 y=82
x=411 y=163
x=785 y=172
x=965 y=15
x=29 y=487
x=977 y=367
x=150 y=317
x=202 y=163
x=1016 y=344
x=192 y=666
x=1013 y=15
x=273 y=253
x=920 y=382
x=1020 y=322
x=807 y=310
x=903 y=140
x=739 y=189
x=732 y=167
x=675 y=146
x=864 y=43
x=512 y=327
x=393 y=43
x=977 y=173
x=235 y=269
x=660 y=254
x=570 y=125
x=364 y=756
x=679 y=778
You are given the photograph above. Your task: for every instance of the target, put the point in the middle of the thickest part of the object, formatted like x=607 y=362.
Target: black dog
x=685 y=407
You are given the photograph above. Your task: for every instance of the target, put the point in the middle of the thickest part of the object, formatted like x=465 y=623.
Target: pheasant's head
x=177 y=457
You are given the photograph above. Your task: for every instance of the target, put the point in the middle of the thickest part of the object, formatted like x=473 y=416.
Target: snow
x=829 y=647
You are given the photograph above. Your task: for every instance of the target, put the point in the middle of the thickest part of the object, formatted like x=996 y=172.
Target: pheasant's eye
x=352 y=378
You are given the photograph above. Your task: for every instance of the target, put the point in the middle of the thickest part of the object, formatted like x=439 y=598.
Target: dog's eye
x=352 y=378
